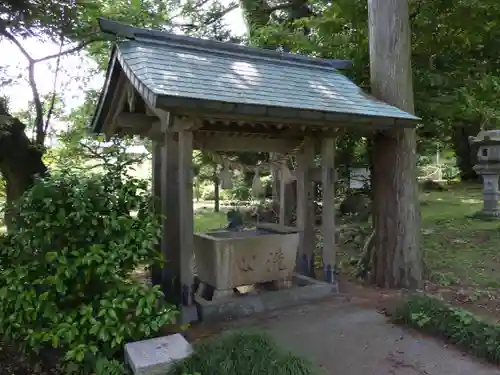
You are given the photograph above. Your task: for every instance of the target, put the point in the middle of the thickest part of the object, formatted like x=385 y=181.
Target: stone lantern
x=488 y=167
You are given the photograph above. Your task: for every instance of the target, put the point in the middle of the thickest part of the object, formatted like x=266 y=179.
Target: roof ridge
x=242 y=56
x=157 y=36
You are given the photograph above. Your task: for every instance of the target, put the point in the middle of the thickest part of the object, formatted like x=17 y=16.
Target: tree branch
x=12 y=38
x=40 y=135
x=197 y=6
x=280 y=7
x=209 y=21
x=40 y=125
x=54 y=86
x=415 y=13
x=39 y=139
x=69 y=51
x=229 y=9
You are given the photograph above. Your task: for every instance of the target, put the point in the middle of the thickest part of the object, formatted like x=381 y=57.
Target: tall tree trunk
x=397 y=252
x=20 y=162
x=465 y=152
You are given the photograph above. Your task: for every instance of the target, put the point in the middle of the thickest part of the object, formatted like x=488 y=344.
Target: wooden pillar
x=170 y=244
x=156 y=272
x=328 y=213
x=305 y=210
x=186 y=224
x=287 y=199
x=275 y=178
x=177 y=210
x=282 y=199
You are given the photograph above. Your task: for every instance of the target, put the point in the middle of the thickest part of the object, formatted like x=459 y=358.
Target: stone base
x=304 y=290
x=486 y=215
x=187 y=314
x=156 y=356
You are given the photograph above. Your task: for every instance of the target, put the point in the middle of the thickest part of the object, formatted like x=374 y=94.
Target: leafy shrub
x=241 y=192
x=208 y=193
x=64 y=282
x=241 y=353
x=106 y=366
x=455 y=325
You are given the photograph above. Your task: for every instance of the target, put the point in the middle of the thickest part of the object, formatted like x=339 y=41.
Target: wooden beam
x=316 y=174
x=182 y=123
x=117 y=104
x=138 y=121
x=141 y=125
x=328 y=212
x=305 y=210
x=221 y=142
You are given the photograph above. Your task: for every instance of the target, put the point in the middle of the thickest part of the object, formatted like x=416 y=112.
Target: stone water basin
x=230 y=259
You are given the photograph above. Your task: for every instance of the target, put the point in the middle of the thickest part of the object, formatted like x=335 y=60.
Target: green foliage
x=105 y=366
x=241 y=191
x=455 y=325
x=207 y=220
x=455 y=65
x=241 y=353
x=64 y=276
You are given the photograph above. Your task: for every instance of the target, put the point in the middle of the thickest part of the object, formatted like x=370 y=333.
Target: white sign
x=359 y=177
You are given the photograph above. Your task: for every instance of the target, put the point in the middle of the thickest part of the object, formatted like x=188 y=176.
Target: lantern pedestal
x=488 y=168
x=490 y=175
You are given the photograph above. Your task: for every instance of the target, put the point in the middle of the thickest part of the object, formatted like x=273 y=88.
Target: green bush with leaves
x=105 y=366
x=242 y=353
x=455 y=325
x=65 y=273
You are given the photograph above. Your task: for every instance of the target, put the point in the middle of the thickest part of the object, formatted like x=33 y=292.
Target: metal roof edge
x=96 y=123
x=125 y=31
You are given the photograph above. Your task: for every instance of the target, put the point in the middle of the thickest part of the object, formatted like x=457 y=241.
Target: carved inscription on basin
x=228 y=260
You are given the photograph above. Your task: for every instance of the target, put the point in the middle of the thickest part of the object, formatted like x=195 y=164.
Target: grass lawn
x=459 y=249
x=205 y=219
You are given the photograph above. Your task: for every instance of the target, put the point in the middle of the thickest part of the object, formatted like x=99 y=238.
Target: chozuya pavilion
x=187 y=93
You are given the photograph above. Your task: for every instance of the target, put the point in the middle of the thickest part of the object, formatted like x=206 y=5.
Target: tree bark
x=20 y=162
x=465 y=152
x=397 y=254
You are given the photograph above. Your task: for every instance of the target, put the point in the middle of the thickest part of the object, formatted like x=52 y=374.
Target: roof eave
x=97 y=122
x=240 y=111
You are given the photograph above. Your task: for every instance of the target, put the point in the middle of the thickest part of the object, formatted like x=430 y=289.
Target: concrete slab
x=155 y=356
x=348 y=339
x=232 y=307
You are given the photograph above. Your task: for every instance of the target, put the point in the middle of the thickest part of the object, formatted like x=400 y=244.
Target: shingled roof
x=169 y=68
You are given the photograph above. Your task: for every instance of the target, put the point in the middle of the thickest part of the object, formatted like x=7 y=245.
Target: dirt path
x=348 y=337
